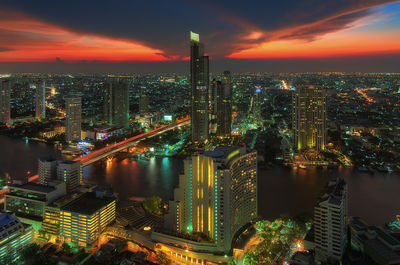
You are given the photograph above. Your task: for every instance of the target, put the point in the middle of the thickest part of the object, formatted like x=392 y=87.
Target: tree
x=66 y=248
x=153 y=205
x=31 y=255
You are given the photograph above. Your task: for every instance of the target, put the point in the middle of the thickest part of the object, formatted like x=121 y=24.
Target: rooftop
x=88 y=203
x=34 y=187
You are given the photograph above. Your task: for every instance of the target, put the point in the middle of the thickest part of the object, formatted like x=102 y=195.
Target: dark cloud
x=4 y=49
x=223 y=24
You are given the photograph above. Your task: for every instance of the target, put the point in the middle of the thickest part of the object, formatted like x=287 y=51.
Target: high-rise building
x=330 y=222
x=69 y=172
x=73 y=119
x=143 y=104
x=5 y=94
x=47 y=170
x=116 y=102
x=40 y=100
x=224 y=106
x=255 y=106
x=309 y=118
x=65 y=170
x=199 y=80
x=84 y=219
x=217 y=195
x=14 y=235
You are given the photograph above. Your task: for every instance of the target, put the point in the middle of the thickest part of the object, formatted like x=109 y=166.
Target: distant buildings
x=5 y=94
x=14 y=235
x=40 y=100
x=73 y=119
x=199 y=80
x=143 y=104
x=116 y=103
x=83 y=219
x=217 y=195
x=330 y=222
x=64 y=170
x=309 y=118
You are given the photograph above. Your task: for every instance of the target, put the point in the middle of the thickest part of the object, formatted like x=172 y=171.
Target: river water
x=374 y=197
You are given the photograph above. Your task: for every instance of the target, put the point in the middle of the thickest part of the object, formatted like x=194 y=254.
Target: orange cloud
x=25 y=39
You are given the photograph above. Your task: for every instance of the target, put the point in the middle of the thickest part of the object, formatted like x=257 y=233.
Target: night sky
x=153 y=35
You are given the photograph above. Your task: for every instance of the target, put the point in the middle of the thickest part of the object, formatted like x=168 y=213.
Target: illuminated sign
x=167 y=117
x=194 y=37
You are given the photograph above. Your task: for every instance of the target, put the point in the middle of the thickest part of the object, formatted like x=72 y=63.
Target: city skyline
x=312 y=36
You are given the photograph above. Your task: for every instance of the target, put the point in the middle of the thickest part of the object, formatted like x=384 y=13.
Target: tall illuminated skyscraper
x=73 y=119
x=199 y=80
x=309 y=118
x=216 y=196
x=5 y=94
x=116 y=103
x=40 y=100
x=143 y=104
x=224 y=106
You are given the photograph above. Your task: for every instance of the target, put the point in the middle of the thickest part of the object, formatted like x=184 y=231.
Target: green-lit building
x=14 y=235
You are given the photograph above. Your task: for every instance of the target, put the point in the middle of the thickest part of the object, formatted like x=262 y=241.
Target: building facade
x=309 y=118
x=65 y=170
x=116 y=103
x=217 y=195
x=83 y=219
x=14 y=235
x=40 y=100
x=224 y=106
x=73 y=119
x=143 y=104
x=330 y=222
x=5 y=94
x=199 y=81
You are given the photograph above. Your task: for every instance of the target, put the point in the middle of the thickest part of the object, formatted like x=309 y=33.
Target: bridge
x=111 y=149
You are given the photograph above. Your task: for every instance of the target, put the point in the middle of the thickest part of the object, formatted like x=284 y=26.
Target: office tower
x=65 y=170
x=330 y=222
x=255 y=106
x=216 y=196
x=40 y=100
x=5 y=93
x=84 y=219
x=73 y=119
x=224 y=106
x=69 y=172
x=116 y=103
x=47 y=170
x=143 y=104
x=14 y=235
x=199 y=80
x=309 y=118
x=28 y=200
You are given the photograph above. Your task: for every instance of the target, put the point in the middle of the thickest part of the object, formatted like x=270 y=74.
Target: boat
x=302 y=166
x=362 y=169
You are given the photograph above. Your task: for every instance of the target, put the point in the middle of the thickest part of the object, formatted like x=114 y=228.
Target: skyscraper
x=224 y=106
x=199 y=80
x=5 y=93
x=216 y=196
x=47 y=170
x=40 y=100
x=73 y=119
x=116 y=103
x=330 y=222
x=143 y=104
x=309 y=118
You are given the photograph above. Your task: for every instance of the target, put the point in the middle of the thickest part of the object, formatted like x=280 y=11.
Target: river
x=374 y=197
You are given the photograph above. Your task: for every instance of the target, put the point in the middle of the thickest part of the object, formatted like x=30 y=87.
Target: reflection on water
x=374 y=197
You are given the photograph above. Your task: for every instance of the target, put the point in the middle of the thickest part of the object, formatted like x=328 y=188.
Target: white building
x=330 y=222
x=65 y=170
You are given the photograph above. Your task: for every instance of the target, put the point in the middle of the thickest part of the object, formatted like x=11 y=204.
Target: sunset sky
x=305 y=32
